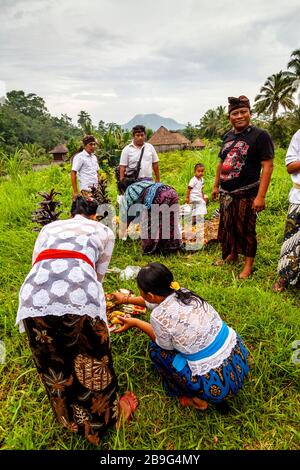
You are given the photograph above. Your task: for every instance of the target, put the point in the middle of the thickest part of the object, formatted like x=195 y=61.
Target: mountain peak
x=153 y=121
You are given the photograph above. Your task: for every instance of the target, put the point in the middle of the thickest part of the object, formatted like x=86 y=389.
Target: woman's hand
x=126 y=324
x=119 y=298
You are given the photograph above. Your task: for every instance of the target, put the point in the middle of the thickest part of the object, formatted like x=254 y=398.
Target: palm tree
x=277 y=91
x=294 y=65
x=214 y=123
x=293 y=119
x=85 y=122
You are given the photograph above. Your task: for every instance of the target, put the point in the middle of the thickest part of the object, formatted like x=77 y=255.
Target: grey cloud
x=113 y=59
x=100 y=37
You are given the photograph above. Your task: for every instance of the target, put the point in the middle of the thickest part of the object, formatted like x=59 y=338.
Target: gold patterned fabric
x=72 y=355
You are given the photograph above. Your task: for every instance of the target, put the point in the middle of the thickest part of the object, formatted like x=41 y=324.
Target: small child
x=195 y=194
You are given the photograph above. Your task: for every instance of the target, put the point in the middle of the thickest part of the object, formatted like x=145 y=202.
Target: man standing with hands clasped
x=242 y=179
x=131 y=154
x=85 y=167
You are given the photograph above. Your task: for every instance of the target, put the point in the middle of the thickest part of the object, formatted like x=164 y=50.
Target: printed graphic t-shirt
x=242 y=155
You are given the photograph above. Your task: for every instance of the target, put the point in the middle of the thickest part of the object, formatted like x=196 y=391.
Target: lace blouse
x=189 y=329
x=61 y=286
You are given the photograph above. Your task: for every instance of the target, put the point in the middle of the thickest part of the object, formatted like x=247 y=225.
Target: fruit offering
x=125 y=310
x=113 y=320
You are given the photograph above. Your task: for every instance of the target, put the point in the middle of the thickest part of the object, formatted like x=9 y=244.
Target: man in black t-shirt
x=242 y=179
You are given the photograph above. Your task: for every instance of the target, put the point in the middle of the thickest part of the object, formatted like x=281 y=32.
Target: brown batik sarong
x=237 y=232
x=72 y=355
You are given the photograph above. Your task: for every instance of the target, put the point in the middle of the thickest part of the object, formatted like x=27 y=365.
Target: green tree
x=277 y=91
x=294 y=66
x=190 y=132
x=29 y=105
x=214 y=123
x=101 y=127
x=85 y=122
x=24 y=120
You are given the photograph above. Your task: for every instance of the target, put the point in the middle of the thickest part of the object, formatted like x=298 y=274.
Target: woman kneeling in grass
x=199 y=358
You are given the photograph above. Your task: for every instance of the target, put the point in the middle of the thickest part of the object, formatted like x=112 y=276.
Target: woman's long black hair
x=124 y=184
x=157 y=278
x=85 y=206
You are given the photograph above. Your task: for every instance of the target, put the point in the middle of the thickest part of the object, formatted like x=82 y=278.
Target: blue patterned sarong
x=151 y=194
x=214 y=386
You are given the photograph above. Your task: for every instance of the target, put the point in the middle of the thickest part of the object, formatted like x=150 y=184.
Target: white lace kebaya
x=68 y=286
x=189 y=329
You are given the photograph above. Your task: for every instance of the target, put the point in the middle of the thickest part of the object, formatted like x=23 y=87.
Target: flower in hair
x=174 y=285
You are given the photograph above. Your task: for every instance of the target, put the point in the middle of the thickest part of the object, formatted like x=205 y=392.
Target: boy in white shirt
x=195 y=194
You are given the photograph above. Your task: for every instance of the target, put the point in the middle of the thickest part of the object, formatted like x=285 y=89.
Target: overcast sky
x=118 y=58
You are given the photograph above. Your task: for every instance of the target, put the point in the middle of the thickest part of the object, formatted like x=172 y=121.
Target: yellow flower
x=174 y=285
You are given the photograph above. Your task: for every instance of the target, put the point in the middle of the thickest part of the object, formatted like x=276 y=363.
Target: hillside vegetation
x=265 y=414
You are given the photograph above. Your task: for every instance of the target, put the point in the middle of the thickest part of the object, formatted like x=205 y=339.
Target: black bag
x=131 y=173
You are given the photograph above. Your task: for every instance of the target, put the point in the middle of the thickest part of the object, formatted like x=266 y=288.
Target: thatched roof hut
x=165 y=141
x=59 y=152
x=198 y=144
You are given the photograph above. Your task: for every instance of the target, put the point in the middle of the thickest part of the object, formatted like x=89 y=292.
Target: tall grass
x=265 y=414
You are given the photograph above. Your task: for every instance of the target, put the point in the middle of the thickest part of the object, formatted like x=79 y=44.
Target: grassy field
x=265 y=414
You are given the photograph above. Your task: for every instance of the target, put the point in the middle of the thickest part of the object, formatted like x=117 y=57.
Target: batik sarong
x=237 y=232
x=215 y=386
x=73 y=358
x=289 y=263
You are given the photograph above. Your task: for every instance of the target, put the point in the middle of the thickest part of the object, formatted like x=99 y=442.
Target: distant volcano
x=153 y=121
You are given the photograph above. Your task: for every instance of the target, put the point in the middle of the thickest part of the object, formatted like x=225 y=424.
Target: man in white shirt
x=132 y=152
x=292 y=162
x=85 y=166
x=289 y=262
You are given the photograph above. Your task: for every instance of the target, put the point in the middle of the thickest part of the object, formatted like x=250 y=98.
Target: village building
x=198 y=144
x=59 y=153
x=165 y=141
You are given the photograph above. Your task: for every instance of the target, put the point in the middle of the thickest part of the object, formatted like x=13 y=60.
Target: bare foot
x=247 y=269
x=194 y=402
x=245 y=273
x=128 y=404
x=232 y=258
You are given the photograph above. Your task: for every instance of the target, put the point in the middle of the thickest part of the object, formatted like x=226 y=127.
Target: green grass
x=264 y=415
